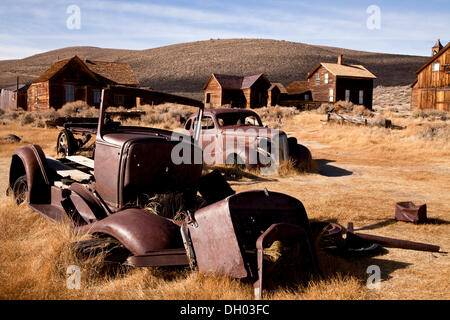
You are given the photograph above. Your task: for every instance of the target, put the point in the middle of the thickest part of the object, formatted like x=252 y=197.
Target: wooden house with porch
x=431 y=90
x=237 y=91
x=332 y=82
x=73 y=79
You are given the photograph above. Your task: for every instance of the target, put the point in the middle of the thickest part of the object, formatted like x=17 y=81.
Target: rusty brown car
x=238 y=137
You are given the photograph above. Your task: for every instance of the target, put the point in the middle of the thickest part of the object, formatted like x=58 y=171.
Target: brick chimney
x=340 y=59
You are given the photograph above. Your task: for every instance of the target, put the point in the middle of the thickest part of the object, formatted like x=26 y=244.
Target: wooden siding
x=430 y=98
x=214 y=90
x=38 y=96
x=320 y=92
x=273 y=96
x=432 y=89
x=257 y=97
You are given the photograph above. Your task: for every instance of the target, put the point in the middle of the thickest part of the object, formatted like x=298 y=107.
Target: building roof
x=14 y=87
x=297 y=87
x=433 y=58
x=59 y=66
x=118 y=73
x=230 y=82
x=280 y=86
x=345 y=70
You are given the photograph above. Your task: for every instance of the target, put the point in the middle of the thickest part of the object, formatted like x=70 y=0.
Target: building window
x=326 y=78
x=70 y=93
x=35 y=95
x=361 y=97
x=208 y=98
x=96 y=97
x=306 y=97
x=436 y=67
x=119 y=100
x=318 y=78
x=331 y=95
x=347 y=95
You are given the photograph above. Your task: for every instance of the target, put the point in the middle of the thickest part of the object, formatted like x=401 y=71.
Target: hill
x=184 y=68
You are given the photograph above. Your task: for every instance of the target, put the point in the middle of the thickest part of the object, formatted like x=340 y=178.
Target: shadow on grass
x=377 y=225
x=387 y=222
x=331 y=171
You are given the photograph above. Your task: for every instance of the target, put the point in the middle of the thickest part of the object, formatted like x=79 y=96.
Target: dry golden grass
x=363 y=172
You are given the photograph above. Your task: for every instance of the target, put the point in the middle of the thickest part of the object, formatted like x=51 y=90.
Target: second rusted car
x=238 y=137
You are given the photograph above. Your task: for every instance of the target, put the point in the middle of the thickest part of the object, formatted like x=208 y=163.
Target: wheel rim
x=62 y=144
x=20 y=192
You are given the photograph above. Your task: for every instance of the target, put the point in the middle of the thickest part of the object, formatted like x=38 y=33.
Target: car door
x=209 y=140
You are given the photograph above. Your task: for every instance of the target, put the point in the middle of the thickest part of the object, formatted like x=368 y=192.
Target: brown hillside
x=185 y=67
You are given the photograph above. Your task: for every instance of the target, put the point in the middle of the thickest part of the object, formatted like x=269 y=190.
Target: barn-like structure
x=237 y=91
x=332 y=82
x=431 y=90
x=14 y=97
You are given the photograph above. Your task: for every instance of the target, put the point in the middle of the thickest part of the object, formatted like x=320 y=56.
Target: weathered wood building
x=275 y=94
x=14 y=97
x=74 y=79
x=431 y=90
x=332 y=82
x=298 y=90
x=237 y=91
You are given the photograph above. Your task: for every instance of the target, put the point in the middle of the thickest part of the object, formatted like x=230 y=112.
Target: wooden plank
x=82 y=160
x=66 y=171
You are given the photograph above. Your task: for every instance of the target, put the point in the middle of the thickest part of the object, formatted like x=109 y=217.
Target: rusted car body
x=100 y=197
x=238 y=137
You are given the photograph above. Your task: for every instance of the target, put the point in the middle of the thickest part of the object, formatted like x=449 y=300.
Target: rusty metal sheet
x=229 y=229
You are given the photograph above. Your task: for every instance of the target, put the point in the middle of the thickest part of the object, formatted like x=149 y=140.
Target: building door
x=208 y=98
x=347 y=95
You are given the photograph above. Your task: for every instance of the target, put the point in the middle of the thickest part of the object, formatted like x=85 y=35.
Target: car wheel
x=111 y=249
x=65 y=143
x=20 y=189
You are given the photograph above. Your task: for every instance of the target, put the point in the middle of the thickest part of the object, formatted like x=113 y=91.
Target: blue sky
x=28 y=27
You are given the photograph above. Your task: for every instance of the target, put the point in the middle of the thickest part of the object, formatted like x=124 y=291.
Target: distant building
x=237 y=91
x=299 y=90
x=431 y=90
x=14 y=97
x=332 y=82
x=74 y=79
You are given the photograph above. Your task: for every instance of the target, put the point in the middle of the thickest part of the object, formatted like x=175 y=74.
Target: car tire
x=20 y=189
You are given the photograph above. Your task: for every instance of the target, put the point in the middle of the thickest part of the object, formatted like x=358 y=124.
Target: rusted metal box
x=409 y=212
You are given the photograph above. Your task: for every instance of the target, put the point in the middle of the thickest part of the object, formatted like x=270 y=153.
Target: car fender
x=138 y=230
x=31 y=161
